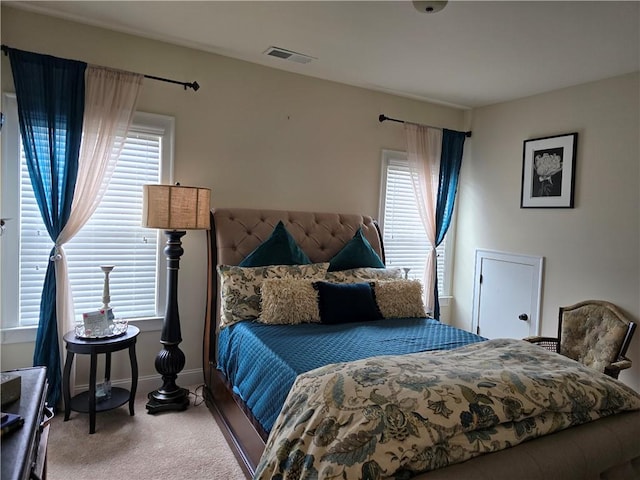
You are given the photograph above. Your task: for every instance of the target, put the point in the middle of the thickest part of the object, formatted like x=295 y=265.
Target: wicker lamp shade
x=175 y=207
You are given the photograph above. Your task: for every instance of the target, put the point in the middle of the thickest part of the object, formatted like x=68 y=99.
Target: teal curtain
x=50 y=97
x=450 y=163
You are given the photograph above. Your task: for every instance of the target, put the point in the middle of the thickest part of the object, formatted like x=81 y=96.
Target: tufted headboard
x=236 y=232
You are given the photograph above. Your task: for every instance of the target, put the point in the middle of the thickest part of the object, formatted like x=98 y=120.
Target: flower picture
x=548 y=172
x=547 y=177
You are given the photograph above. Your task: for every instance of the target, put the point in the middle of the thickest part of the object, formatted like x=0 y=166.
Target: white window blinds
x=113 y=236
x=405 y=242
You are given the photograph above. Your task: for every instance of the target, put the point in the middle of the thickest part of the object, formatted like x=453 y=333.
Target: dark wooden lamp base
x=170 y=360
x=161 y=401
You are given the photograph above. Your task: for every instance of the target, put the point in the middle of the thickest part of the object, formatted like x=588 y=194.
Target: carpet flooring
x=166 y=445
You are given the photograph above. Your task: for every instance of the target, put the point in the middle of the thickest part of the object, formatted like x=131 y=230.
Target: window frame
x=399 y=156
x=10 y=330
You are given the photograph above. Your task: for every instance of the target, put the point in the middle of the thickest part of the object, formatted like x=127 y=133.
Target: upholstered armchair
x=595 y=333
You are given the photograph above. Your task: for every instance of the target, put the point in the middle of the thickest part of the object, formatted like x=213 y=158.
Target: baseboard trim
x=148 y=383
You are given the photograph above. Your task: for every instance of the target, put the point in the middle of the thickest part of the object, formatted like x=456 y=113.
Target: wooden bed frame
x=606 y=448
x=234 y=234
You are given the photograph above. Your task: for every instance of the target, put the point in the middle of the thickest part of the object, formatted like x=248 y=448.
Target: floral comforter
x=396 y=416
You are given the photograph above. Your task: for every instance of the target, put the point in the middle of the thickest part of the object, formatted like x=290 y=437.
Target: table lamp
x=175 y=209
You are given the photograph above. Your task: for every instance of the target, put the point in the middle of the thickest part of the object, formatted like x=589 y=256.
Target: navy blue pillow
x=357 y=253
x=279 y=249
x=346 y=302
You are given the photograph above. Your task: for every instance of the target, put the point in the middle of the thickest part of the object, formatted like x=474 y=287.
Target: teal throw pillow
x=279 y=249
x=346 y=302
x=357 y=253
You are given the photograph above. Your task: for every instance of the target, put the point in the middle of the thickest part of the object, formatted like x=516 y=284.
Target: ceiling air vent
x=288 y=55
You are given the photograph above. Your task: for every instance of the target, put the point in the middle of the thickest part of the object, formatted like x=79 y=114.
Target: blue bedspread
x=282 y=352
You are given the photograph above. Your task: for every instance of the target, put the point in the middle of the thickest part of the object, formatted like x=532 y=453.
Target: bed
x=601 y=448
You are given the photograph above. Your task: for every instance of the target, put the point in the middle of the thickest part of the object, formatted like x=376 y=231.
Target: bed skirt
x=607 y=448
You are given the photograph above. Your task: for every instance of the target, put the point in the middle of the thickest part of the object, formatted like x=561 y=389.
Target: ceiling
x=470 y=54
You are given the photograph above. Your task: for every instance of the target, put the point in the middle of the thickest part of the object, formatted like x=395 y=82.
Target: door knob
x=523 y=316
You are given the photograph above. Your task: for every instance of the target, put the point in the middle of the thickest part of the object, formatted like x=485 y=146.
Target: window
x=405 y=242
x=113 y=235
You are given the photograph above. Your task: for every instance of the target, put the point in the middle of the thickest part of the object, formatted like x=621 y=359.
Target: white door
x=506 y=294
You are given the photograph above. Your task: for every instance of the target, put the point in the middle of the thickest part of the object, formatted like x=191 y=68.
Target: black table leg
x=92 y=393
x=107 y=367
x=134 y=377
x=66 y=389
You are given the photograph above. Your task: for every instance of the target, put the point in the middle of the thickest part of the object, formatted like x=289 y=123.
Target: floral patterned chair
x=595 y=333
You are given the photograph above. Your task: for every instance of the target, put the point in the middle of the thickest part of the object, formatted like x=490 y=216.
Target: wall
x=258 y=137
x=592 y=250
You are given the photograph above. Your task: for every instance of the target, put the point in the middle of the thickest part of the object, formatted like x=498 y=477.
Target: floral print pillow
x=364 y=274
x=240 y=287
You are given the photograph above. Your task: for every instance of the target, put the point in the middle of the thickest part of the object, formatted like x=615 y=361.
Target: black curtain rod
x=186 y=85
x=382 y=117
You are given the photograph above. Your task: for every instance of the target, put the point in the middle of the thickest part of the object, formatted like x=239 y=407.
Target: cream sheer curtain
x=110 y=99
x=424 y=146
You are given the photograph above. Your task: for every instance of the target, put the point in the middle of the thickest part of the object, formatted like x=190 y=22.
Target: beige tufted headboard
x=236 y=232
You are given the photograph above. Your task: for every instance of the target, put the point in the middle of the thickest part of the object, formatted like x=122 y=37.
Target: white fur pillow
x=289 y=301
x=399 y=298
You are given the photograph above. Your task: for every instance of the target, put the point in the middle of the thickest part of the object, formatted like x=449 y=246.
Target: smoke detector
x=429 y=6
x=288 y=55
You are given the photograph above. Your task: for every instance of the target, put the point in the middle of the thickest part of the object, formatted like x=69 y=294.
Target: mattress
x=249 y=352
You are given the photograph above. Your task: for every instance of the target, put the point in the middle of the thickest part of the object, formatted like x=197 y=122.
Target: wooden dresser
x=24 y=451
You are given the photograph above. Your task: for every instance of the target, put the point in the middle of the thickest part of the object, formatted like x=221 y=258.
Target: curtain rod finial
x=193 y=85
x=382 y=117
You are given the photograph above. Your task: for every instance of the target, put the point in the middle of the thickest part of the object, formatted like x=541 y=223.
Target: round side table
x=85 y=402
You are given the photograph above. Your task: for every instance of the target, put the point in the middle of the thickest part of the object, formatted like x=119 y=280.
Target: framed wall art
x=548 y=171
